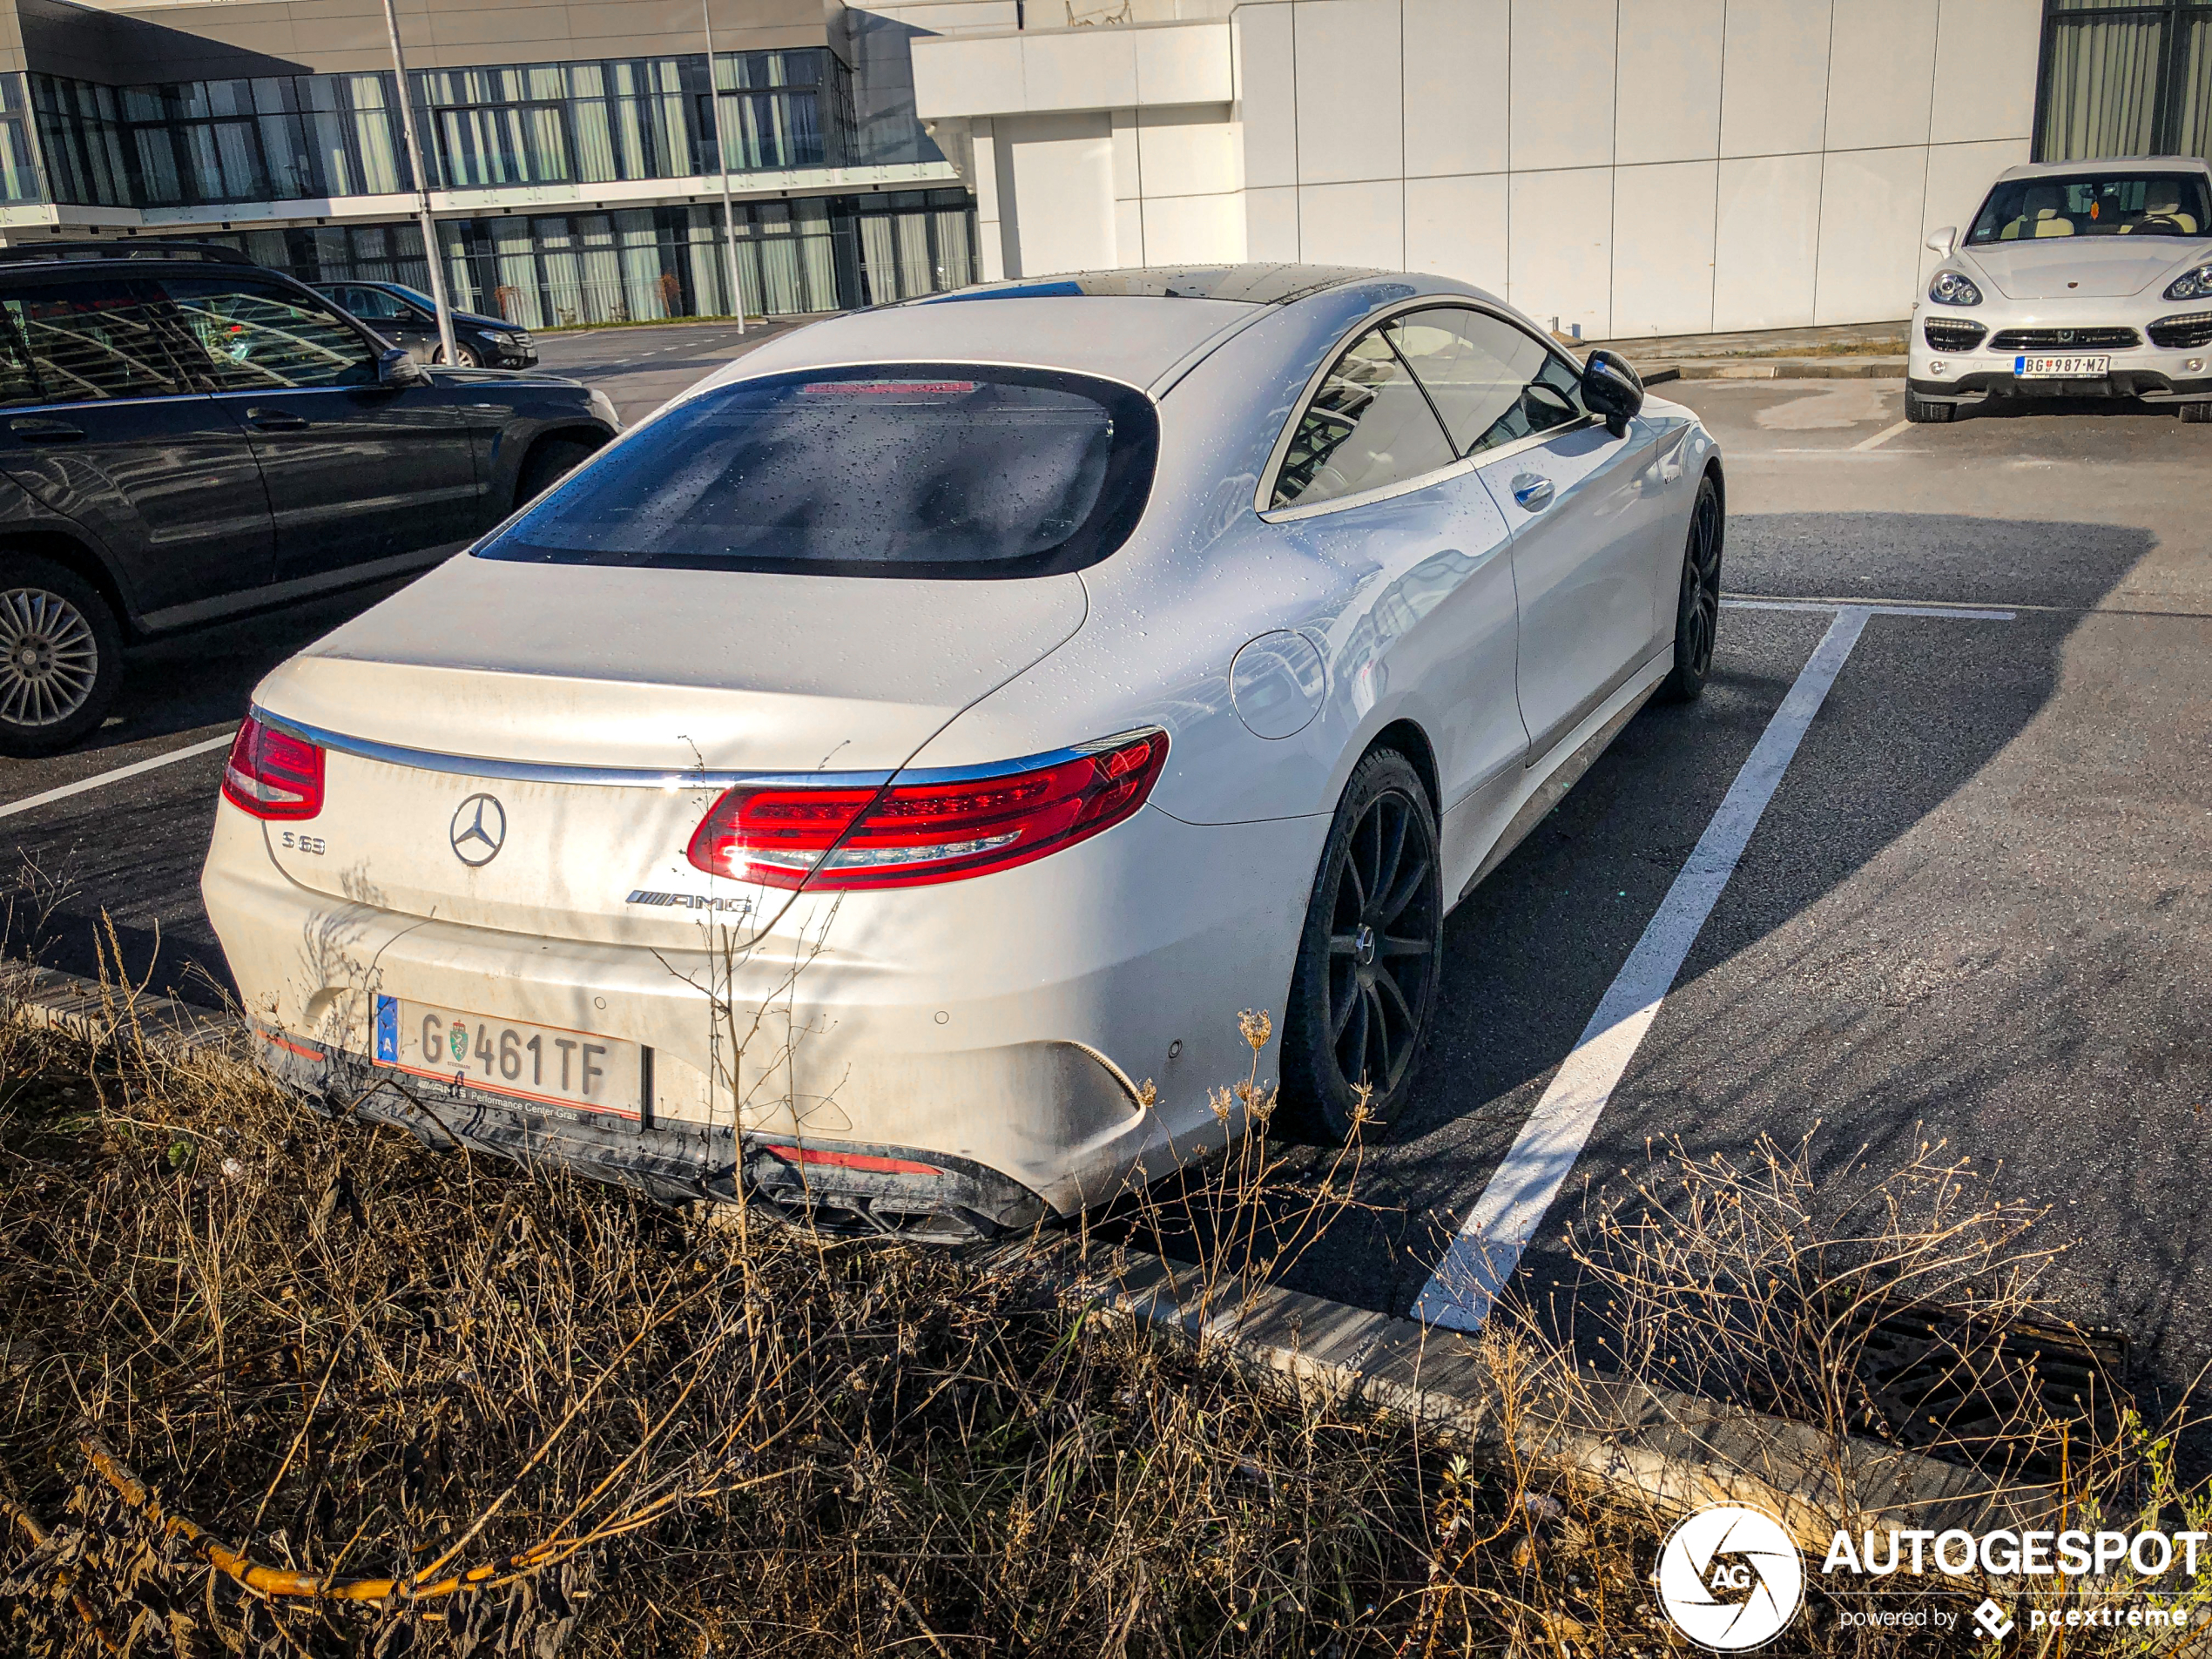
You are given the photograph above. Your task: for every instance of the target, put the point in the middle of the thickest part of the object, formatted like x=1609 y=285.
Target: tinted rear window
x=922 y=470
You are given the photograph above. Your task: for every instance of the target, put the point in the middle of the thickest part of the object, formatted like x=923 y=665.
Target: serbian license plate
x=2060 y=368
x=538 y=1062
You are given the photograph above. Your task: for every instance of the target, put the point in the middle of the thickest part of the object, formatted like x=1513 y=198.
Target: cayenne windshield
x=917 y=470
x=2102 y=204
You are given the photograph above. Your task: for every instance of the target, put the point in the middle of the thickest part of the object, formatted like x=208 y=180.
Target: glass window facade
x=2125 y=77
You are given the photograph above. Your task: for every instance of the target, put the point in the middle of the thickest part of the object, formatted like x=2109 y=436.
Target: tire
x=465 y=355
x=2197 y=414
x=1926 y=411
x=61 y=657
x=547 y=463
x=1364 y=991
x=1697 y=609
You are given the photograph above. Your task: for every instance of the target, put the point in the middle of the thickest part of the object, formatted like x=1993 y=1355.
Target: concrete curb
x=1780 y=368
x=1672 y=1451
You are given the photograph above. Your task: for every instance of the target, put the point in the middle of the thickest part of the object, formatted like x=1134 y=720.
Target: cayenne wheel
x=2196 y=414
x=1923 y=410
x=61 y=657
x=1697 y=612
x=1370 y=956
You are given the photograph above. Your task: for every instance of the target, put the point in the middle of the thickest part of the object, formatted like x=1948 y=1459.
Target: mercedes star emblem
x=479 y=830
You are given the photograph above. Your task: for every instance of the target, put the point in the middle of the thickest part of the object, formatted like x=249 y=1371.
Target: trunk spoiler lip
x=661 y=778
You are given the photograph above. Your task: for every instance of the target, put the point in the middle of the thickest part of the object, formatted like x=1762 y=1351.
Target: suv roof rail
x=151 y=249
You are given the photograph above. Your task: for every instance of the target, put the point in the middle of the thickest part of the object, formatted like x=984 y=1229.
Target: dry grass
x=281 y=1385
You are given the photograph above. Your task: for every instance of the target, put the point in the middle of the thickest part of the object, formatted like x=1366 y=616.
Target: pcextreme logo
x=1731 y=1578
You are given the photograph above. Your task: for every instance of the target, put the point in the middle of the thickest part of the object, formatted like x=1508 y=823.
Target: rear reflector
x=912 y=835
x=864 y=1163
x=273 y=774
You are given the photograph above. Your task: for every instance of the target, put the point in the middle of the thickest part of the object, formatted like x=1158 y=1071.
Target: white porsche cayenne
x=2076 y=278
x=876 y=784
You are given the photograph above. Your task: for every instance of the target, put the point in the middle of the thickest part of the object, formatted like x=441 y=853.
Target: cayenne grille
x=2064 y=339
x=2183 y=333
x=1952 y=336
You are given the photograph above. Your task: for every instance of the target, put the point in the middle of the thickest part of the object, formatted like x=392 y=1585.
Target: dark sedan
x=409 y=318
x=185 y=436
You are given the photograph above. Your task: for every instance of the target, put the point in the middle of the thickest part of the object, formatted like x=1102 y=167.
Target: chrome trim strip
x=538 y=772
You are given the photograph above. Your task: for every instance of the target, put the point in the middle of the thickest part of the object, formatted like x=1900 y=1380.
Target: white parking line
x=1880 y=438
x=1488 y=1247
x=105 y=777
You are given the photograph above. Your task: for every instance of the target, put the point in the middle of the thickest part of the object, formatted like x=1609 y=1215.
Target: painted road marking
x=1487 y=1248
x=118 y=775
x=1880 y=438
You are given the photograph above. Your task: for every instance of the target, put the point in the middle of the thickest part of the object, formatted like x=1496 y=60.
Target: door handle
x=274 y=419
x=32 y=427
x=1533 y=491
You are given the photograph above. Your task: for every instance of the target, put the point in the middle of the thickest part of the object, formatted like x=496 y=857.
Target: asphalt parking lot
x=1975 y=907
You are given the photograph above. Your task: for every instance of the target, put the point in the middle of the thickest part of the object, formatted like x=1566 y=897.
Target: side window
x=1367 y=427
x=18 y=385
x=265 y=338
x=374 y=305
x=1492 y=382
x=89 y=341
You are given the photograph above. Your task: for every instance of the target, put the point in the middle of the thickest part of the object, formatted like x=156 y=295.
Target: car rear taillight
x=910 y=834
x=273 y=774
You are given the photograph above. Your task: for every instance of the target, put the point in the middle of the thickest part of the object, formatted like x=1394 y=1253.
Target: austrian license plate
x=538 y=1062
x=2060 y=368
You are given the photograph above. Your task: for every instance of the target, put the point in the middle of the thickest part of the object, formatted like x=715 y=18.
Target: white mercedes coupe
x=874 y=786
x=2076 y=279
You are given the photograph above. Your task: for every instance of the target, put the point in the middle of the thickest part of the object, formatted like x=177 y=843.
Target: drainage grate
x=1994 y=1396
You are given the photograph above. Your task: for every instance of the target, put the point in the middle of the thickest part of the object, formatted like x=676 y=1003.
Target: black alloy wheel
x=61 y=657
x=1370 y=956
x=1697 y=612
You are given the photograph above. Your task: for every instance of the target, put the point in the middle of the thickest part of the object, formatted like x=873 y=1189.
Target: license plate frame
x=581 y=1071
x=2062 y=366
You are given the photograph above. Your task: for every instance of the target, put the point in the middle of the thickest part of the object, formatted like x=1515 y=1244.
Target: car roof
x=2105 y=164
x=1141 y=327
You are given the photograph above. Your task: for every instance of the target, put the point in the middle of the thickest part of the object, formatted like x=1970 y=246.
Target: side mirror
x=1943 y=241
x=396 y=367
x=1612 y=389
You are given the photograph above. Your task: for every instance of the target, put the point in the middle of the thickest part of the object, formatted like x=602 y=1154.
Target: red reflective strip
x=859 y=1161
x=289 y=1045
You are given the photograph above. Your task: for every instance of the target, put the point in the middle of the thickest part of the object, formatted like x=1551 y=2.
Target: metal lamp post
x=722 y=161
x=434 y=256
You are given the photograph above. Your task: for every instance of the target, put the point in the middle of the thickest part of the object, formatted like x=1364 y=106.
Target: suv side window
x=262 y=339
x=1367 y=427
x=89 y=341
x=375 y=305
x=1492 y=382
x=18 y=385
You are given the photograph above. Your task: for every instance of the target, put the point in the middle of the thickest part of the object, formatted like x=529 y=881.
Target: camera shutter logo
x=479 y=830
x=1731 y=1578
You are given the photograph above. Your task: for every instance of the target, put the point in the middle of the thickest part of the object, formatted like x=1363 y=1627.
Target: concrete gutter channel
x=1845 y=352
x=1672 y=1452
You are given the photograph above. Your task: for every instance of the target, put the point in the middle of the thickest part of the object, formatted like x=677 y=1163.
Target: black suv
x=409 y=319
x=186 y=435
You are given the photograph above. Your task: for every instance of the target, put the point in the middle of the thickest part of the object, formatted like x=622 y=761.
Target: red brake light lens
x=913 y=835
x=273 y=774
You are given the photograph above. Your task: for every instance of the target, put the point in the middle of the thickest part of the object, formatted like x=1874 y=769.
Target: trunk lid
x=486 y=668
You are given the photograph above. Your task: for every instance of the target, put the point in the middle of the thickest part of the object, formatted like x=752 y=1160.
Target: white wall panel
x=1766 y=242
x=1266 y=95
x=1774 y=77
x=1881 y=73
x=1189 y=151
x=1087 y=69
x=968 y=77
x=1562 y=113
x=1457 y=227
x=1455 y=86
x=1182 y=66
x=1959 y=175
x=1194 y=229
x=1984 y=70
x=1270 y=223
x=1063 y=176
x=1349 y=110
x=1562 y=230
x=1662 y=248
x=1669 y=76
x=1127 y=174
x=1870 y=221
x=1352 y=224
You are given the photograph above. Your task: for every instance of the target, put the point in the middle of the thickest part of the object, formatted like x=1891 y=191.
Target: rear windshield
x=2099 y=203
x=920 y=471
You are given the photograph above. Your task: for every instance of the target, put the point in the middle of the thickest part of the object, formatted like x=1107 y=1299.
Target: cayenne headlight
x=2191 y=285
x=1952 y=288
